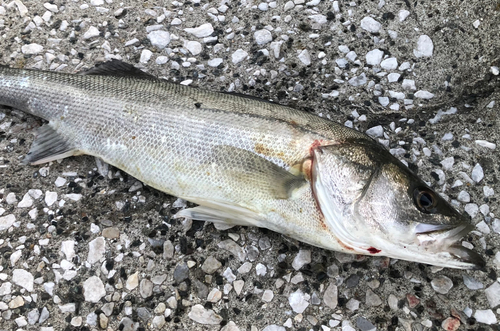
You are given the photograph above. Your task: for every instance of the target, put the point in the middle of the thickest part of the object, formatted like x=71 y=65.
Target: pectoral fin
x=261 y=176
x=49 y=146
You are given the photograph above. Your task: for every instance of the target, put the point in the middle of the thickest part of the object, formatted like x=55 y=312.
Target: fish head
x=375 y=205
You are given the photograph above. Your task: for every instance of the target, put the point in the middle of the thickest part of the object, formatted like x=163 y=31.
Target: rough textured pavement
x=87 y=247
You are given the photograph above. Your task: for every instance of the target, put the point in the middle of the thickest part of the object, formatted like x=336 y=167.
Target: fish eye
x=424 y=199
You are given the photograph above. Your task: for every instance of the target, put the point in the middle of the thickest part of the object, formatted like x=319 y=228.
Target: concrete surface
x=89 y=252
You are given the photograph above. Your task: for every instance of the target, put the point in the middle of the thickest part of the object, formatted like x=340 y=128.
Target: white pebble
x=31 y=49
x=477 y=173
x=262 y=36
x=486 y=144
x=215 y=62
x=408 y=84
x=370 y=25
x=159 y=39
x=403 y=14
x=145 y=56
x=238 y=56
x=424 y=94
x=384 y=101
x=425 y=47
x=374 y=57
x=375 y=132
x=202 y=31
x=91 y=33
x=193 y=47
x=389 y=64
x=263 y=6
x=304 y=57
x=393 y=77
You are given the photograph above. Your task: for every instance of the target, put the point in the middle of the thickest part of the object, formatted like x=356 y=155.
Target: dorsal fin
x=118 y=68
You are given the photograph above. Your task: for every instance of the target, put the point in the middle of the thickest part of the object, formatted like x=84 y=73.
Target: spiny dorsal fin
x=49 y=146
x=118 y=68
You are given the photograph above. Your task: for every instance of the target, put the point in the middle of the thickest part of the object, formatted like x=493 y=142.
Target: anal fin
x=221 y=213
x=49 y=146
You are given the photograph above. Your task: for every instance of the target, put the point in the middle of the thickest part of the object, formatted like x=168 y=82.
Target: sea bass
x=243 y=161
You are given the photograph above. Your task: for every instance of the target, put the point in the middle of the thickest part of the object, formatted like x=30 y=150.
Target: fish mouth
x=445 y=237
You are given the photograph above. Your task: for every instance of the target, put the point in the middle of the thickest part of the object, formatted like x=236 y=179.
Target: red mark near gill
x=373 y=250
x=315 y=144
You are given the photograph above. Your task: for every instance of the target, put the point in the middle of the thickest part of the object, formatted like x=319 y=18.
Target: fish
x=242 y=161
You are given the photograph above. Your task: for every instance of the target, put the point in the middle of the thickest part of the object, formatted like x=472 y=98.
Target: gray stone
x=472 y=283
x=263 y=36
x=146 y=287
x=143 y=313
x=202 y=31
x=252 y=253
x=477 y=173
x=211 y=265
x=201 y=289
x=33 y=316
x=330 y=297
x=442 y=284
x=372 y=299
x=232 y=247
x=7 y=221
x=181 y=272
x=364 y=325
x=204 y=316
x=44 y=315
x=370 y=25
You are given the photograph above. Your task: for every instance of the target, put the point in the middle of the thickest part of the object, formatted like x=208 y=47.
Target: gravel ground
x=85 y=246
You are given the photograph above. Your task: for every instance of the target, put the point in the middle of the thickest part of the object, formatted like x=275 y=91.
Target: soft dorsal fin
x=118 y=68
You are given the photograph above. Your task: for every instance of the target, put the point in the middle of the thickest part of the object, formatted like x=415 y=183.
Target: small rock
x=370 y=25
x=168 y=250
x=463 y=196
x=372 y=299
x=267 y=296
x=91 y=33
x=158 y=322
x=442 y=284
x=472 y=209
x=145 y=56
x=44 y=315
x=260 y=269
x=302 y=258
x=472 y=283
x=493 y=294
x=238 y=56
x=146 y=288
x=97 y=249
x=448 y=162
x=111 y=233
x=477 y=173
x=23 y=278
x=68 y=249
x=364 y=325
x=330 y=297
x=486 y=144
x=214 y=296
x=450 y=324
x=50 y=198
x=274 y=327
x=31 y=49
x=26 y=202
x=181 y=273
x=376 y=131
x=403 y=14
x=202 y=31
x=424 y=94
x=18 y=301
x=231 y=246
x=358 y=80
x=93 y=289
x=304 y=57
x=210 y=265
x=33 y=316
x=374 y=57
x=194 y=47
x=238 y=286
x=231 y=326
x=103 y=321
x=76 y=321
x=389 y=64
x=132 y=281
x=352 y=304
x=299 y=301
x=425 y=47
x=485 y=316
x=215 y=62
x=263 y=36
x=204 y=316
x=7 y=221
x=159 y=38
